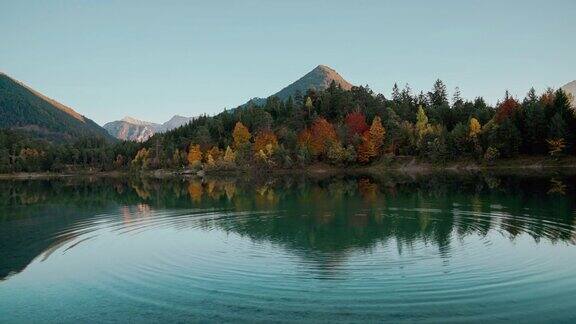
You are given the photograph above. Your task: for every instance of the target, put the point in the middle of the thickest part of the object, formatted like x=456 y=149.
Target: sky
x=154 y=59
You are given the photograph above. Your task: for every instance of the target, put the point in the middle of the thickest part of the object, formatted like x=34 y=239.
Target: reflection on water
x=242 y=249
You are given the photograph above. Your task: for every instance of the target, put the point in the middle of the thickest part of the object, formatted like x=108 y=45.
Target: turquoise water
x=434 y=248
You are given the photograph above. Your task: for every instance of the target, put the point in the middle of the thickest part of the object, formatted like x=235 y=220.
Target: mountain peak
x=570 y=89
x=324 y=68
x=318 y=79
x=134 y=121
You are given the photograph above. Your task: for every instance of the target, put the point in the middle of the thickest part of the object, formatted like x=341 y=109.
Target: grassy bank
x=402 y=164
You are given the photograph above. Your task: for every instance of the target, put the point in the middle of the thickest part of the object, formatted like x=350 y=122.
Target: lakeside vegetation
x=336 y=127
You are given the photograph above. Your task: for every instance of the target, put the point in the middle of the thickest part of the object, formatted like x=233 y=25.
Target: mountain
x=318 y=79
x=132 y=129
x=570 y=88
x=24 y=108
x=175 y=122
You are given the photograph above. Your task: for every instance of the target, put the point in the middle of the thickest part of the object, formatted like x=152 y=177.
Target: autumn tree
x=141 y=160
x=367 y=149
x=422 y=125
x=215 y=152
x=210 y=160
x=506 y=109
x=265 y=138
x=194 y=155
x=377 y=133
x=474 y=127
x=241 y=135
x=229 y=156
x=335 y=152
x=356 y=123
x=322 y=131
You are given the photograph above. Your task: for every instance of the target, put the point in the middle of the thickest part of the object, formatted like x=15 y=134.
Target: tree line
x=334 y=126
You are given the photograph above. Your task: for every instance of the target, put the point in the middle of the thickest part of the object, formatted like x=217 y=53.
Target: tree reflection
x=321 y=219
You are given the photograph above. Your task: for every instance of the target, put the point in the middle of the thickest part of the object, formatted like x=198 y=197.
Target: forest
x=336 y=127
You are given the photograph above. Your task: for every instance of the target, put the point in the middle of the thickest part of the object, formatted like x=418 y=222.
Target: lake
x=347 y=248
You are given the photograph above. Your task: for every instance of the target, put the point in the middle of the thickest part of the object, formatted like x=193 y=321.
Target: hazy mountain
x=570 y=88
x=23 y=108
x=132 y=129
x=319 y=78
x=175 y=122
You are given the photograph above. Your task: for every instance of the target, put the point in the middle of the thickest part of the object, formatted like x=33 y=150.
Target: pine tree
x=396 y=93
x=438 y=96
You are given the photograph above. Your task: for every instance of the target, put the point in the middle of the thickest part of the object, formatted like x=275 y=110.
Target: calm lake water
x=433 y=248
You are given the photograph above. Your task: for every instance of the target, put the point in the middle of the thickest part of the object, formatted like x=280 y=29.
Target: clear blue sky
x=151 y=60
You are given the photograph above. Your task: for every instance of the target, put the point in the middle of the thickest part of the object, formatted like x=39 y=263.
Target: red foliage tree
x=506 y=109
x=356 y=123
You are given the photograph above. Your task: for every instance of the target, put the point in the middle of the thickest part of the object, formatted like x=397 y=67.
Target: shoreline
x=408 y=165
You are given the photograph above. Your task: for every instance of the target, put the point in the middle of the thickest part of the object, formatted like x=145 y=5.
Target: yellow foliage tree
x=215 y=152
x=142 y=158
x=422 y=125
x=210 y=160
x=194 y=155
x=367 y=149
x=377 y=133
x=229 y=156
x=475 y=127
x=241 y=135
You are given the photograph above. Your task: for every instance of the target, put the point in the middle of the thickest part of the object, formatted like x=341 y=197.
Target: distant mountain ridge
x=318 y=79
x=132 y=129
x=570 y=89
x=24 y=108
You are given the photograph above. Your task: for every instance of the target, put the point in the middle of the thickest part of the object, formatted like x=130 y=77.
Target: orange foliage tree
x=377 y=133
x=241 y=135
x=194 y=155
x=367 y=149
x=263 y=139
x=322 y=132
